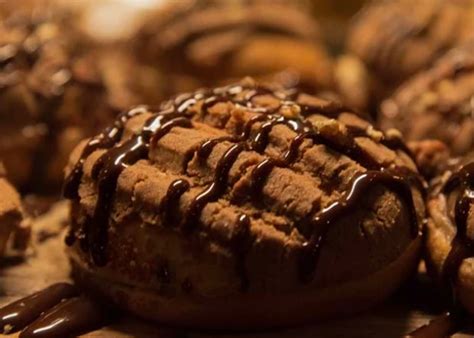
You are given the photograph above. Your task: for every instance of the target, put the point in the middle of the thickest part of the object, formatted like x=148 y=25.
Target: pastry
x=437 y=103
x=14 y=229
x=56 y=89
x=395 y=39
x=450 y=242
x=244 y=206
x=201 y=43
x=334 y=17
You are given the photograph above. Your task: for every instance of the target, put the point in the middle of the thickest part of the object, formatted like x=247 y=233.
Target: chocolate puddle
x=54 y=312
x=440 y=327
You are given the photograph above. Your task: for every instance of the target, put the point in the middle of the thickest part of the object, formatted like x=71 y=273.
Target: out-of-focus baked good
x=450 y=230
x=395 y=39
x=56 y=89
x=334 y=18
x=243 y=207
x=201 y=43
x=13 y=228
x=437 y=103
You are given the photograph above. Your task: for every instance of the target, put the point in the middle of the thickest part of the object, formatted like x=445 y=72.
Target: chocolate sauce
x=108 y=138
x=176 y=114
x=239 y=245
x=260 y=140
x=69 y=318
x=21 y=313
x=55 y=312
x=205 y=149
x=259 y=175
x=170 y=202
x=215 y=190
x=440 y=327
x=322 y=221
x=108 y=168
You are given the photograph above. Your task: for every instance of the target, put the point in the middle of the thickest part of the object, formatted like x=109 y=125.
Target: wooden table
x=410 y=308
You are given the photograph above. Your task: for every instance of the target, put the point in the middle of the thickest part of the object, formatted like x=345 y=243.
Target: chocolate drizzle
x=170 y=202
x=322 y=221
x=108 y=138
x=57 y=311
x=254 y=136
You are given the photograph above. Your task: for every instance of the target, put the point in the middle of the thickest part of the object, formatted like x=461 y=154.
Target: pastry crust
x=249 y=241
x=253 y=311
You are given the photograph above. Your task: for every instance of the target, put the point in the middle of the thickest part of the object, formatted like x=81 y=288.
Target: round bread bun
x=243 y=207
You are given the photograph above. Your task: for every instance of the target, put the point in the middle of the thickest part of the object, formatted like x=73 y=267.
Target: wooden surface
x=408 y=309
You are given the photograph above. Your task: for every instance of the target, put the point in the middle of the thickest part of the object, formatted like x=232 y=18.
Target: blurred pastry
x=14 y=230
x=201 y=43
x=437 y=103
x=334 y=18
x=55 y=89
x=241 y=207
x=450 y=230
x=395 y=39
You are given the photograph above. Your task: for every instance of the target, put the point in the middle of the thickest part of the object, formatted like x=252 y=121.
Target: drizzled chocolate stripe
x=108 y=168
x=216 y=189
x=107 y=139
x=320 y=223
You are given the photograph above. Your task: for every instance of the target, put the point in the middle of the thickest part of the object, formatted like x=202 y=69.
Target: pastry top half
x=397 y=38
x=14 y=231
x=200 y=43
x=55 y=89
x=437 y=103
x=392 y=40
x=241 y=188
x=450 y=231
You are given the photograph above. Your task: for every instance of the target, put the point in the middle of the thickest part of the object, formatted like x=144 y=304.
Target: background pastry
x=14 y=228
x=450 y=229
x=395 y=39
x=211 y=211
x=55 y=88
x=201 y=43
x=334 y=18
x=437 y=103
